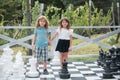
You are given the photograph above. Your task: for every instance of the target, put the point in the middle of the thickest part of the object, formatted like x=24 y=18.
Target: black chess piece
x=100 y=60
x=108 y=72
x=112 y=50
x=64 y=74
x=100 y=57
x=118 y=60
x=103 y=59
x=118 y=56
x=113 y=64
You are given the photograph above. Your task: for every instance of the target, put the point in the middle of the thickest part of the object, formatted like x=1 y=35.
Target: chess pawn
x=64 y=74
x=32 y=73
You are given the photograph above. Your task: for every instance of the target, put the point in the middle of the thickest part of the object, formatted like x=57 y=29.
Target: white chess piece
x=18 y=67
x=1 y=71
x=56 y=57
x=32 y=71
x=6 y=58
x=114 y=46
x=19 y=59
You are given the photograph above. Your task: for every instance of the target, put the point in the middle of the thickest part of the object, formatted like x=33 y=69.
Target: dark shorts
x=62 y=45
x=41 y=52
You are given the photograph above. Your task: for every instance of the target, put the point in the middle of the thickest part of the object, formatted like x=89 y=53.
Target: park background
x=79 y=12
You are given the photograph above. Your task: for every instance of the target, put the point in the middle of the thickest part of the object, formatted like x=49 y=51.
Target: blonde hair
x=64 y=19
x=42 y=18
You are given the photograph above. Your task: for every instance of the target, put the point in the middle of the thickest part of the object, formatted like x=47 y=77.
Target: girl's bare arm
x=33 y=40
x=70 y=48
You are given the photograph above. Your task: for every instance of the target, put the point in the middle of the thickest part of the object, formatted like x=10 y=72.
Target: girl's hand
x=49 y=42
x=70 y=48
x=33 y=47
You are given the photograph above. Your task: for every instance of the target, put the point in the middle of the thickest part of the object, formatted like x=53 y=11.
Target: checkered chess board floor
x=78 y=71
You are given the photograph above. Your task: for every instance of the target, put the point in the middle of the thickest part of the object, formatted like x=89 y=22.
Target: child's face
x=42 y=22
x=64 y=24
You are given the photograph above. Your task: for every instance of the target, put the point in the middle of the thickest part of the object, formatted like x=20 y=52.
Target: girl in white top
x=64 y=44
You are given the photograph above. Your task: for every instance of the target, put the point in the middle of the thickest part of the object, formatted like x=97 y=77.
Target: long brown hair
x=42 y=18
x=61 y=26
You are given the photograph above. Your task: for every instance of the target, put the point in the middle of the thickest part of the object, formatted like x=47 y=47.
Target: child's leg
x=61 y=59
x=38 y=61
x=45 y=65
x=65 y=56
x=36 y=65
x=37 y=56
x=44 y=56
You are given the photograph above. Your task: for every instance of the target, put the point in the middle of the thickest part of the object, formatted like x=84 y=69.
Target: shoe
x=45 y=71
x=49 y=59
x=38 y=71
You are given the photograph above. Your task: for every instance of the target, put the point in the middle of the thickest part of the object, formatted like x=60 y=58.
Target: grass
x=16 y=49
x=91 y=58
x=90 y=49
x=93 y=48
x=19 y=48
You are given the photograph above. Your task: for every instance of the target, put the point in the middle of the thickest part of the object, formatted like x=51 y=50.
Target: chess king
x=64 y=74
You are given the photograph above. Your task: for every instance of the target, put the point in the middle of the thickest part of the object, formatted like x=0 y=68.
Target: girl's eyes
x=64 y=22
x=41 y=21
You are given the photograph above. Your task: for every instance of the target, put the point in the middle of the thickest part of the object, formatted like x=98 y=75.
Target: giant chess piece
x=7 y=60
x=56 y=54
x=18 y=68
x=118 y=57
x=64 y=74
x=108 y=72
x=1 y=71
x=32 y=73
x=113 y=64
x=118 y=60
x=101 y=57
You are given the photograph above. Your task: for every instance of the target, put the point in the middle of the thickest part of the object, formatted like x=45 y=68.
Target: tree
x=11 y=10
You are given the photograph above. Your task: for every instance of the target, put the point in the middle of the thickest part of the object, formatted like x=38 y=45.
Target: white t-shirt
x=64 y=33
